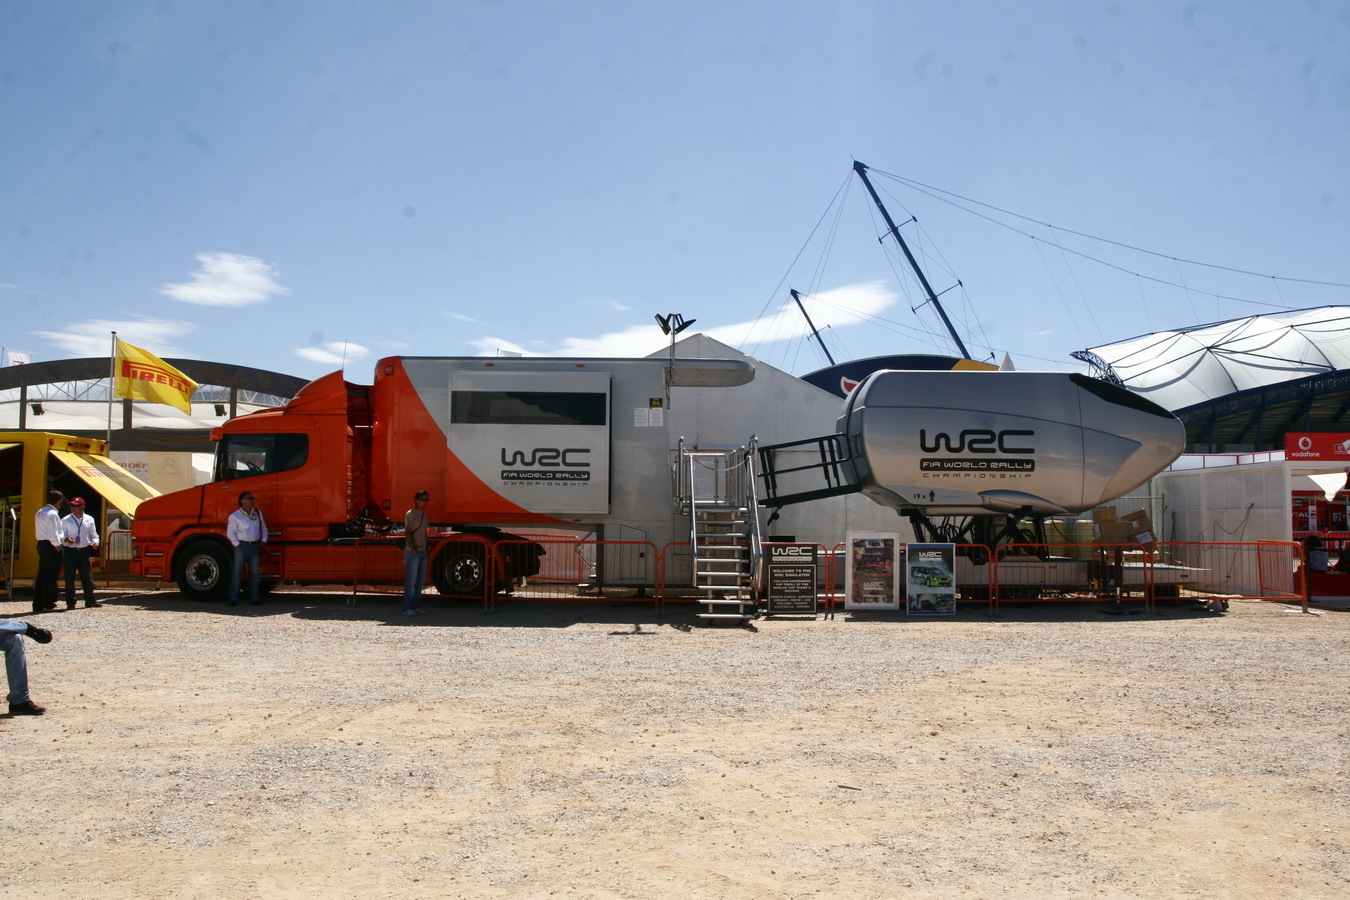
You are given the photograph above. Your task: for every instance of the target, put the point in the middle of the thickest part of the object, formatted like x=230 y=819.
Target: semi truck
x=580 y=445
x=587 y=446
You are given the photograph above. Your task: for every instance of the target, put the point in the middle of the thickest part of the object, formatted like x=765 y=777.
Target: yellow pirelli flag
x=144 y=376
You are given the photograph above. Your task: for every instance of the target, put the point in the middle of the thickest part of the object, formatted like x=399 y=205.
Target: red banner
x=1332 y=447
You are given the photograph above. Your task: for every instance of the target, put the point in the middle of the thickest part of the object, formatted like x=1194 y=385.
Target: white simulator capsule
x=979 y=443
x=1001 y=443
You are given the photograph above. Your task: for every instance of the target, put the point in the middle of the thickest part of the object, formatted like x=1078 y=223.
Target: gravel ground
x=596 y=750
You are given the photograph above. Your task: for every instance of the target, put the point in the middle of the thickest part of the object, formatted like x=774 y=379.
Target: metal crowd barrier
x=571 y=568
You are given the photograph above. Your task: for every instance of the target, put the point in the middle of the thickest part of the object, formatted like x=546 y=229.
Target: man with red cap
x=81 y=540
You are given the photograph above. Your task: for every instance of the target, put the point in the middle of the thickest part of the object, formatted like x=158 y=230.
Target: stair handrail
x=678 y=500
x=751 y=454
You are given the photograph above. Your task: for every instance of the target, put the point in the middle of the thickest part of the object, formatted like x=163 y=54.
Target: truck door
x=252 y=462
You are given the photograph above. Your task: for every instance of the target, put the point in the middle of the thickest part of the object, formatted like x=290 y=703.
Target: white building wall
x=1235 y=503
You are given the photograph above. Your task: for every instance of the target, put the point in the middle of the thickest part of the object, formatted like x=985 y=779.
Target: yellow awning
x=115 y=484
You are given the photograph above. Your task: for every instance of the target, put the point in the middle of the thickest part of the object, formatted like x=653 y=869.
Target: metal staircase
x=716 y=489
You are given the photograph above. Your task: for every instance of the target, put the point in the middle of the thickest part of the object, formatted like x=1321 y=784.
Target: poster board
x=873 y=565
x=930 y=580
x=791 y=578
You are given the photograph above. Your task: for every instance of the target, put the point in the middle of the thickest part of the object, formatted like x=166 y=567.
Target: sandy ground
x=582 y=749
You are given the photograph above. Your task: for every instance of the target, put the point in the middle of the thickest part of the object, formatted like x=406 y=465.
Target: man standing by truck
x=415 y=555
x=81 y=541
x=247 y=533
x=47 y=529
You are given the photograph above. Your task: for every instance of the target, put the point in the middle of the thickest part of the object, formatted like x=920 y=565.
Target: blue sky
x=290 y=184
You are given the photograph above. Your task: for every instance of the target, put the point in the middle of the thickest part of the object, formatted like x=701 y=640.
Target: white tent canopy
x=1183 y=368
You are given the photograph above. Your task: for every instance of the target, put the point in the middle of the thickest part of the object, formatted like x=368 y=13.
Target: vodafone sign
x=1329 y=447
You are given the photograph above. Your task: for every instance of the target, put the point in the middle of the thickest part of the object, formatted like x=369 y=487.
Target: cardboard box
x=1141 y=529
x=1104 y=514
x=1112 y=533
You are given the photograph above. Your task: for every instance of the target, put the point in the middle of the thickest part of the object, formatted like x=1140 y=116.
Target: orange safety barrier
x=115 y=547
x=975 y=576
x=1025 y=572
x=374 y=557
x=571 y=568
x=1256 y=570
x=639 y=564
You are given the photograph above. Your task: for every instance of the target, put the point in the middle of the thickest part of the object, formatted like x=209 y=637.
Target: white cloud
x=459 y=317
x=488 y=346
x=837 y=308
x=335 y=353
x=227 y=279
x=94 y=338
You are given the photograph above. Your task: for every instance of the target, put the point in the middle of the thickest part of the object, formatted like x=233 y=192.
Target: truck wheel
x=204 y=571
x=458 y=571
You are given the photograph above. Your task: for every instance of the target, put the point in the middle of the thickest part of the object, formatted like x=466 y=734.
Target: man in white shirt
x=247 y=533
x=81 y=540
x=49 y=536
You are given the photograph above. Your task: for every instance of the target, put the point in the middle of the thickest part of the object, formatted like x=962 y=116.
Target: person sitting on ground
x=16 y=665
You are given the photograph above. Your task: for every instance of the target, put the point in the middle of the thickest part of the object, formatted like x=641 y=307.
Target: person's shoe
x=421 y=612
x=90 y=604
x=26 y=708
x=70 y=604
x=41 y=635
x=255 y=602
x=232 y=603
x=410 y=612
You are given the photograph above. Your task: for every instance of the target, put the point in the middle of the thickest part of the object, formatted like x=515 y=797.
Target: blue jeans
x=245 y=555
x=414 y=578
x=16 y=663
x=76 y=561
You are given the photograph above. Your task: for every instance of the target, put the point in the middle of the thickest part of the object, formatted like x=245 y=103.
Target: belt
x=250 y=542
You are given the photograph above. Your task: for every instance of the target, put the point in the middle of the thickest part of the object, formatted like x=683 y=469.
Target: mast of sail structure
x=812 y=325
x=913 y=264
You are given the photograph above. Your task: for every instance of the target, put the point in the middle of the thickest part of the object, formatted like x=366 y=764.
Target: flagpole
x=112 y=385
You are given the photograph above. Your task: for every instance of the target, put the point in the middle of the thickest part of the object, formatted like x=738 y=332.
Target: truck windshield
x=241 y=455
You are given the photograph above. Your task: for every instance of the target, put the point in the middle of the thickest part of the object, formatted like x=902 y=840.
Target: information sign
x=930 y=583
x=874 y=563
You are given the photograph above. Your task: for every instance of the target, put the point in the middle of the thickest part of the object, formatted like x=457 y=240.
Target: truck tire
x=203 y=570
x=458 y=570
